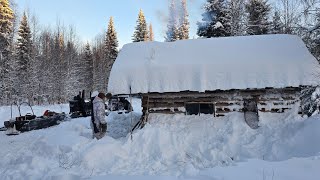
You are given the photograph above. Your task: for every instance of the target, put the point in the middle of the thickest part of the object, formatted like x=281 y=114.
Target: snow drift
x=218 y=63
x=171 y=145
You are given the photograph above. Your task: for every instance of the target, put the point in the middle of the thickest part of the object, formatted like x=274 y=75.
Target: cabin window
x=199 y=108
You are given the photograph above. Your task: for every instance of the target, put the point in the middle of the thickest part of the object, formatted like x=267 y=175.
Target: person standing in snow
x=93 y=127
x=100 y=124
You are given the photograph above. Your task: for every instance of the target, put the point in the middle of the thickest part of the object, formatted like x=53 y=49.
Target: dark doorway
x=192 y=109
x=206 y=109
x=250 y=110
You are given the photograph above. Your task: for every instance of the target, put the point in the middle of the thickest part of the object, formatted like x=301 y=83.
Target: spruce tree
x=141 y=32
x=258 y=13
x=99 y=62
x=277 y=25
x=62 y=68
x=111 y=47
x=237 y=13
x=58 y=68
x=184 y=21
x=24 y=60
x=6 y=24
x=315 y=37
x=88 y=58
x=172 y=33
x=216 y=21
x=151 y=34
x=73 y=74
x=6 y=20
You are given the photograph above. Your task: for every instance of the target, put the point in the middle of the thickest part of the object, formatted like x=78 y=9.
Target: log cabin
x=248 y=74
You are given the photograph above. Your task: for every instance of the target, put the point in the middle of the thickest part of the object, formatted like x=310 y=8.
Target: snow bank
x=217 y=63
x=175 y=145
x=170 y=147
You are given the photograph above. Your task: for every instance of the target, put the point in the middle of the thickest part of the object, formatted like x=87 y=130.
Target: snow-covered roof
x=210 y=64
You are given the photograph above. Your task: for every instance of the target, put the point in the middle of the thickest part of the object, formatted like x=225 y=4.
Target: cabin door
x=251 y=113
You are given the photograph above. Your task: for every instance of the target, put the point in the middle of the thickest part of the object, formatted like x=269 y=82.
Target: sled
x=251 y=116
x=30 y=122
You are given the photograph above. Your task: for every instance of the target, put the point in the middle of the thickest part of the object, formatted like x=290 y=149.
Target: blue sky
x=90 y=17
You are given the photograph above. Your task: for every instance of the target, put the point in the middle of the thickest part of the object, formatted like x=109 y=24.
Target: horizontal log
x=167 y=112
x=289 y=90
x=274 y=110
x=187 y=99
x=161 y=105
x=212 y=99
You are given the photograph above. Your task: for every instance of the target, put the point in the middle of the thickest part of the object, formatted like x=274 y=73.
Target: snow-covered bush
x=316 y=99
x=310 y=100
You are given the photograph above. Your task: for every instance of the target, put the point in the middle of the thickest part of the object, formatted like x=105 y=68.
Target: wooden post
x=131 y=112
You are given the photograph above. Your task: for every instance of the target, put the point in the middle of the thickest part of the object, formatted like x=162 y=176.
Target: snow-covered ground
x=169 y=147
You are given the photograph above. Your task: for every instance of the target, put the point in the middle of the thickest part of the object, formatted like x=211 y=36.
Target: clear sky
x=90 y=17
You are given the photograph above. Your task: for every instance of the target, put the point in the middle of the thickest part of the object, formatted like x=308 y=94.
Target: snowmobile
x=119 y=104
x=30 y=122
x=79 y=107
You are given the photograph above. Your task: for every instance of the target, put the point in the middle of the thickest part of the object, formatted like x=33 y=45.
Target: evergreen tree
x=216 y=20
x=111 y=47
x=44 y=66
x=277 y=26
x=141 y=32
x=151 y=35
x=24 y=60
x=184 y=21
x=172 y=33
x=314 y=35
x=258 y=13
x=88 y=58
x=58 y=68
x=309 y=100
x=6 y=20
x=99 y=60
x=6 y=25
x=237 y=13
x=74 y=73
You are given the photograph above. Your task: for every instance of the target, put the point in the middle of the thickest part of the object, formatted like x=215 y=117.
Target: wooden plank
x=231 y=91
x=167 y=112
x=160 y=105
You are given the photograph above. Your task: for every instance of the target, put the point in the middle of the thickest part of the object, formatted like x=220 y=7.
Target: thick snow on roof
x=210 y=64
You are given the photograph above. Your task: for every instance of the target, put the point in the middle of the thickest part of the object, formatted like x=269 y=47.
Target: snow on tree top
x=209 y=64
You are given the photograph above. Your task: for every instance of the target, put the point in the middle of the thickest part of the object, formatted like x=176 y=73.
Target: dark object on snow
x=251 y=113
x=120 y=104
x=3 y=129
x=79 y=107
x=30 y=122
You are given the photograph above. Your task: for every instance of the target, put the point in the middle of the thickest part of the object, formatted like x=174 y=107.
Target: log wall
x=268 y=100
